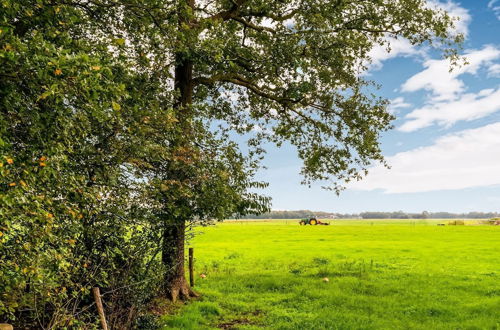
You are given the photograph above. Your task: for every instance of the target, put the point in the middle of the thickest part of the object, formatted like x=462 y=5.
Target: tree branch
x=230 y=13
x=271 y=16
x=253 y=26
x=286 y=102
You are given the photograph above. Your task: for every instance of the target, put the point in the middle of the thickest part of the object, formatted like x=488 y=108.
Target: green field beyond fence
x=353 y=274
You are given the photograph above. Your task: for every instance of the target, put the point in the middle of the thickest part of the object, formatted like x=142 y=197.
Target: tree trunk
x=176 y=286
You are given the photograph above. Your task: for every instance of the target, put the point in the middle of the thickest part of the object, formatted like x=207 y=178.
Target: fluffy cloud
x=398 y=47
x=445 y=85
x=448 y=103
x=462 y=160
x=468 y=107
x=494 y=70
x=397 y=104
x=495 y=6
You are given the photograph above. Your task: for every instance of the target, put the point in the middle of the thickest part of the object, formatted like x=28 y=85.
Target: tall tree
x=286 y=71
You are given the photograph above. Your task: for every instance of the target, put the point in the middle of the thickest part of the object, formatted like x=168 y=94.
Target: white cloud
x=443 y=84
x=494 y=5
x=468 y=107
x=494 y=71
x=448 y=103
x=397 y=47
x=397 y=104
x=466 y=159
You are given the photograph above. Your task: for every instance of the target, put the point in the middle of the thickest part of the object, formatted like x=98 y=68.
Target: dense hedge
x=72 y=214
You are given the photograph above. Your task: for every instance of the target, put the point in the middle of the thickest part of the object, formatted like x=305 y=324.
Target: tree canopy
x=284 y=71
x=293 y=71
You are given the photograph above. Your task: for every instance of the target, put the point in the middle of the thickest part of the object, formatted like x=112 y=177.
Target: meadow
x=382 y=274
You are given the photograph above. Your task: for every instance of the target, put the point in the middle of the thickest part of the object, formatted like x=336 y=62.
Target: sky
x=444 y=151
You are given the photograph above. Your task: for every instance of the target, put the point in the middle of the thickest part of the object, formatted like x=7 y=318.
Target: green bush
x=73 y=141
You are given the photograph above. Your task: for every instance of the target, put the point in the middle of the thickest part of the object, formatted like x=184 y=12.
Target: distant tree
x=399 y=215
x=375 y=215
x=444 y=215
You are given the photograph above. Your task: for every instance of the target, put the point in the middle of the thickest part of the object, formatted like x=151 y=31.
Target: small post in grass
x=100 y=309
x=191 y=273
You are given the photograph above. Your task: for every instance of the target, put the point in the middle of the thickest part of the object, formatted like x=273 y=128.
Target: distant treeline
x=427 y=215
x=298 y=215
x=372 y=215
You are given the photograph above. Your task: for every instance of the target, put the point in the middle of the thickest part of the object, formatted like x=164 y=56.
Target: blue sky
x=445 y=148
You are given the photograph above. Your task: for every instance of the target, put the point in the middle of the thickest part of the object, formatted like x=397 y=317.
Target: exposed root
x=180 y=290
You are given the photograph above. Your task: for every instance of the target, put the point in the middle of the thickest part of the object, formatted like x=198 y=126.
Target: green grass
x=401 y=274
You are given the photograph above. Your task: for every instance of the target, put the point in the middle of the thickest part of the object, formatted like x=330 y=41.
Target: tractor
x=312 y=221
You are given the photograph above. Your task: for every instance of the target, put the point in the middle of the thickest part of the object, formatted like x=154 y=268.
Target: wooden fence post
x=191 y=273
x=100 y=309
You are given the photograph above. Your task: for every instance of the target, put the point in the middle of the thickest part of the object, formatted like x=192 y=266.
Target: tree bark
x=176 y=286
x=174 y=229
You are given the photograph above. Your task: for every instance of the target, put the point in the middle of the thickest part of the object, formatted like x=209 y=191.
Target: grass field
x=382 y=274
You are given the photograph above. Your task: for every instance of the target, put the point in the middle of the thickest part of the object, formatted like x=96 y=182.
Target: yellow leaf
x=42 y=164
x=119 y=41
x=115 y=106
x=96 y=68
x=12 y=184
x=44 y=95
x=58 y=72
